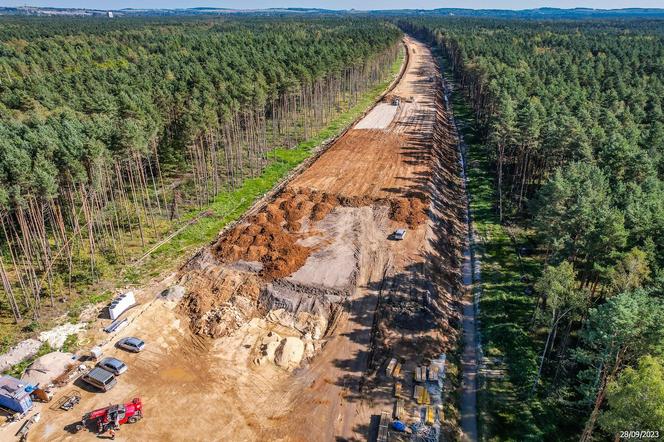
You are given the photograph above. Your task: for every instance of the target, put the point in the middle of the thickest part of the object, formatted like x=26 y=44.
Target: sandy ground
x=398 y=299
x=380 y=117
x=385 y=161
x=332 y=266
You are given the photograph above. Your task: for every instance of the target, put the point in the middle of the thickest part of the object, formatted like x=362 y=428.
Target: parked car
x=131 y=344
x=99 y=378
x=399 y=234
x=113 y=365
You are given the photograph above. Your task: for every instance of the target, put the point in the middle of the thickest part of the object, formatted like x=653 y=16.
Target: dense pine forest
x=570 y=116
x=110 y=131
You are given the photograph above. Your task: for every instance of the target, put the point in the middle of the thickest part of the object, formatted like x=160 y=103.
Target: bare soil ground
x=380 y=117
x=385 y=161
x=315 y=266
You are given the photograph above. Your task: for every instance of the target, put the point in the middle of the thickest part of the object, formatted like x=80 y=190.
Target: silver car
x=113 y=365
x=399 y=234
x=131 y=344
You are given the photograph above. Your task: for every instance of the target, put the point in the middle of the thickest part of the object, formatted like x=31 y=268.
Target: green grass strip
x=506 y=411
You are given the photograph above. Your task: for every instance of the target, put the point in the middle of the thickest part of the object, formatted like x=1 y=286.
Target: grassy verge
x=226 y=208
x=505 y=408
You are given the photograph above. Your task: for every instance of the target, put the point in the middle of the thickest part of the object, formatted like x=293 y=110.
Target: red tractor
x=112 y=417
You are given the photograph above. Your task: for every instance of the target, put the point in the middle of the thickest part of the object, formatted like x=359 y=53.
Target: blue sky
x=339 y=4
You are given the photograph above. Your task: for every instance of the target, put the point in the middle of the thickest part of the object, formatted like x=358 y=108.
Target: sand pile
x=289 y=353
x=412 y=211
x=48 y=367
x=286 y=353
x=218 y=303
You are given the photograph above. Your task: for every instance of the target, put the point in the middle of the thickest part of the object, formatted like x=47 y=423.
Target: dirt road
x=469 y=359
x=405 y=290
x=384 y=160
x=471 y=345
x=291 y=316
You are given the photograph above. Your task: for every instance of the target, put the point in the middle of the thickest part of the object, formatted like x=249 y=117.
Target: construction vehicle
x=112 y=417
x=399 y=234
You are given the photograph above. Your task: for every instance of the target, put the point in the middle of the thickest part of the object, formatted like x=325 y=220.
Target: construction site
x=310 y=318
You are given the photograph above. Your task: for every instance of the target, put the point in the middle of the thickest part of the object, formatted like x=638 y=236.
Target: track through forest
x=471 y=344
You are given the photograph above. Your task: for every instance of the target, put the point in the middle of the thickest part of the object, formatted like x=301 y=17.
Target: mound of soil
x=270 y=236
x=274 y=214
x=320 y=211
x=356 y=201
x=412 y=211
x=268 y=243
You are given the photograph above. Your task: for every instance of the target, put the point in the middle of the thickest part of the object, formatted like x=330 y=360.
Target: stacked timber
x=420 y=373
x=390 y=367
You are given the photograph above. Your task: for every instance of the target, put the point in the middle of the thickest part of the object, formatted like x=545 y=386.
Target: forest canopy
x=570 y=116
x=68 y=97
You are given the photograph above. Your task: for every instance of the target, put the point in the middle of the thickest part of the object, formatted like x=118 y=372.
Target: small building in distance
x=109 y=14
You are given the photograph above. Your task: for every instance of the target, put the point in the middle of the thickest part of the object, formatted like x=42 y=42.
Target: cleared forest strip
x=416 y=277
x=267 y=197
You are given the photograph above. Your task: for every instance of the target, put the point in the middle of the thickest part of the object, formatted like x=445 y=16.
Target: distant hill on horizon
x=533 y=13
x=545 y=13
